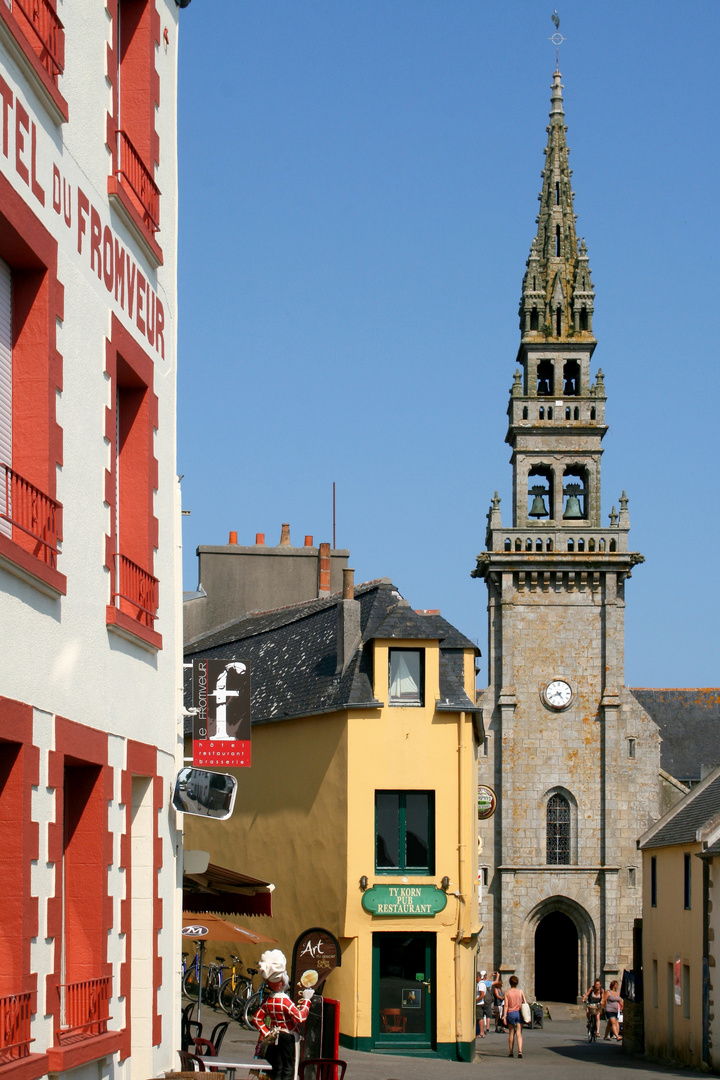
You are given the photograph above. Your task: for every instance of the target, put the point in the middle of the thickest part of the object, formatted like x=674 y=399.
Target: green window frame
x=405 y=832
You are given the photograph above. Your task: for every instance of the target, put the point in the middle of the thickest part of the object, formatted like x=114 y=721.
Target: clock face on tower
x=557 y=694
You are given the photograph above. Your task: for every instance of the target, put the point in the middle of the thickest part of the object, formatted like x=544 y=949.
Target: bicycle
x=592 y=1012
x=211 y=982
x=253 y=1004
x=190 y=977
x=236 y=990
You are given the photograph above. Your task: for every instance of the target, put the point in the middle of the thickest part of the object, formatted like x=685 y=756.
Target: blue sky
x=358 y=191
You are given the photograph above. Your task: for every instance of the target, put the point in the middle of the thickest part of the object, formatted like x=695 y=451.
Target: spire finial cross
x=557 y=38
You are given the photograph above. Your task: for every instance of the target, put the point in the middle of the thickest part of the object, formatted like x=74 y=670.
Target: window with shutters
x=134 y=142
x=30 y=376
x=130 y=487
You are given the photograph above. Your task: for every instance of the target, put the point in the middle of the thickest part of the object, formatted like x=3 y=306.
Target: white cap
x=272 y=965
x=483 y=973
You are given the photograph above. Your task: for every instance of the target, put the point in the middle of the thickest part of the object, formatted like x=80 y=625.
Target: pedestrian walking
x=513 y=1000
x=613 y=1004
x=499 y=998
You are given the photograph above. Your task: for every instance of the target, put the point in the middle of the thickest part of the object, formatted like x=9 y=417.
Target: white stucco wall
x=58 y=654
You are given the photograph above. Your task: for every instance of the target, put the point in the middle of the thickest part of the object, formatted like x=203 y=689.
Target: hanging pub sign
x=221 y=723
x=487 y=802
x=316 y=953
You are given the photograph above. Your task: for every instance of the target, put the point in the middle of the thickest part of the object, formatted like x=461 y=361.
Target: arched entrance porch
x=560 y=950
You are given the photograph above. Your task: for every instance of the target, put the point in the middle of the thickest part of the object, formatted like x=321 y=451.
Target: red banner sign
x=221 y=726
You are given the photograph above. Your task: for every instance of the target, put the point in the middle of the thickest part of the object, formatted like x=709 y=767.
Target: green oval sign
x=418 y=900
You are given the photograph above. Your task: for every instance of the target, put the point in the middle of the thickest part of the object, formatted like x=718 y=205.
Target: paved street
x=559 y=1051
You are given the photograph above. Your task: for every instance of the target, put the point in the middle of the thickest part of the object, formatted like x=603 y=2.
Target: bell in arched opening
x=538 y=509
x=573 y=508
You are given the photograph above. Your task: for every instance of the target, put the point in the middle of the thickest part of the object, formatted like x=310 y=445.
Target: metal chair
x=325 y=1068
x=191 y=1062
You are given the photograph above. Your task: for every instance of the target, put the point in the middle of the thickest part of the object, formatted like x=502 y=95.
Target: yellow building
x=360 y=806
x=678 y=929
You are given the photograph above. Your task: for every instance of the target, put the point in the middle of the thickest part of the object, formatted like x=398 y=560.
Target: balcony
x=84 y=1009
x=81 y=1026
x=29 y=510
x=44 y=31
x=136 y=591
x=135 y=176
x=14 y=1028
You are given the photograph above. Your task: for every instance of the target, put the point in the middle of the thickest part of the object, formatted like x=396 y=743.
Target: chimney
x=308 y=541
x=233 y=538
x=324 y=570
x=260 y=539
x=349 y=634
x=285 y=536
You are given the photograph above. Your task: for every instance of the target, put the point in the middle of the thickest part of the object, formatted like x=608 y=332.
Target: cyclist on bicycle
x=593 y=1001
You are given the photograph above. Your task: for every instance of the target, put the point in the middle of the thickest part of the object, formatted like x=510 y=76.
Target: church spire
x=557 y=295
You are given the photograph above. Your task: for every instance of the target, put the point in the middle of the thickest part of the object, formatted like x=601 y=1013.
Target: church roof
x=690 y=821
x=292 y=653
x=689 y=722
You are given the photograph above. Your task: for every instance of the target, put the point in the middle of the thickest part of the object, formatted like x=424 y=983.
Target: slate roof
x=292 y=653
x=681 y=824
x=689 y=722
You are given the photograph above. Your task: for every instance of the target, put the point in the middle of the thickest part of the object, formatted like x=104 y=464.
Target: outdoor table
x=229 y=1067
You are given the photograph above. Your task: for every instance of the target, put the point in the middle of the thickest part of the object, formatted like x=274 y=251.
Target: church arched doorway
x=556 y=958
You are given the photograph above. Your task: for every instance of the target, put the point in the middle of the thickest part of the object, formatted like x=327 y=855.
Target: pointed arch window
x=545 y=378
x=557 y=818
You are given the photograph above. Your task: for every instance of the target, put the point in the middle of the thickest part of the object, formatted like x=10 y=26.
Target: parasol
x=207 y=927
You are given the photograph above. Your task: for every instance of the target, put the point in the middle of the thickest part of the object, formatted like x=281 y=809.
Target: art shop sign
x=221 y=722
x=423 y=900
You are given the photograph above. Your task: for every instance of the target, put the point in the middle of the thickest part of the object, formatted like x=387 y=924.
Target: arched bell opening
x=507 y=544
x=541 y=490
x=593 y=413
x=575 y=493
x=571 y=378
x=576 y=413
x=525 y=412
x=545 y=378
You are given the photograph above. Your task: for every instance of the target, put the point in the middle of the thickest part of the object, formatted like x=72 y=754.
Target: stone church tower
x=572 y=757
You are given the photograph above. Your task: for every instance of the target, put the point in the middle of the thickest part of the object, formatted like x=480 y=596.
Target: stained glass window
x=558 y=830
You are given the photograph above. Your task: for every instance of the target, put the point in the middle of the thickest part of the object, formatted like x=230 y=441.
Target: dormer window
x=406 y=676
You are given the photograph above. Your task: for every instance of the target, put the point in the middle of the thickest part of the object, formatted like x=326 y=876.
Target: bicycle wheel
x=251 y=1007
x=243 y=993
x=228 y=989
x=191 y=985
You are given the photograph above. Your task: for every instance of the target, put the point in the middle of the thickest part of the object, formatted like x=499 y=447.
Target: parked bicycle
x=236 y=990
x=190 y=976
x=254 y=1003
x=211 y=981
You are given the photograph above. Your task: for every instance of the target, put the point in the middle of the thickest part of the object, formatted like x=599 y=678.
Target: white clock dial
x=558 y=694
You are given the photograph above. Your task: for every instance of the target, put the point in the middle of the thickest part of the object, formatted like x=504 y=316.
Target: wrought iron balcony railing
x=137 y=588
x=14 y=1027
x=134 y=174
x=84 y=1007
x=45 y=32
x=25 y=507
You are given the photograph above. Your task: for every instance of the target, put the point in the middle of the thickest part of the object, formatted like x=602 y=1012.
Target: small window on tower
x=576 y=413
x=583 y=319
x=593 y=413
x=557 y=193
x=534 y=319
x=550 y=412
x=525 y=412
x=541 y=414
x=631 y=748
x=558 y=322
x=557 y=241
x=567 y=414
x=507 y=544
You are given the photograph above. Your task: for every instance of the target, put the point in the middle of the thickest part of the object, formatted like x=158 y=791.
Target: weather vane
x=557 y=38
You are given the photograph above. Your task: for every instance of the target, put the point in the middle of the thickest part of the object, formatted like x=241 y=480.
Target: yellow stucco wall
x=305 y=820
x=671 y=932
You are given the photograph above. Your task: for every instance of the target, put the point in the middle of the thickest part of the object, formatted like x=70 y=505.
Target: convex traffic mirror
x=205 y=794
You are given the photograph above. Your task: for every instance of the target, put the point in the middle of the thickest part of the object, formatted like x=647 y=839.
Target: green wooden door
x=403 y=993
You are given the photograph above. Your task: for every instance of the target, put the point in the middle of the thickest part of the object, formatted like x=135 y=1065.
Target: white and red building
x=89 y=539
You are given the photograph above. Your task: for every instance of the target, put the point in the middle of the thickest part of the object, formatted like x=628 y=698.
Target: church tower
x=571 y=756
